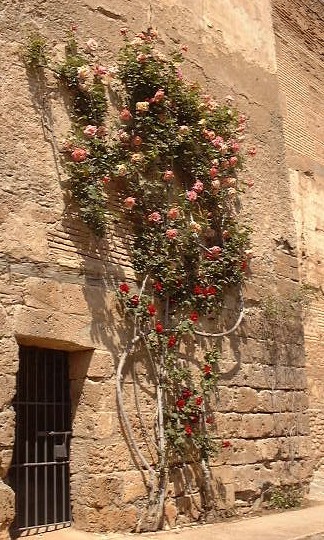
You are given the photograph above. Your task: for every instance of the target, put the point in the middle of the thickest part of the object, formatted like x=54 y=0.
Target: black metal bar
x=54 y=426
x=64 y=523
x=26 y=441
x=45 y=443
x=36 y=440
x=43 y=463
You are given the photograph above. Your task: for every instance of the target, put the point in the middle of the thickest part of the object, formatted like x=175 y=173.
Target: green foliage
x=35 y=52
x=284 y=497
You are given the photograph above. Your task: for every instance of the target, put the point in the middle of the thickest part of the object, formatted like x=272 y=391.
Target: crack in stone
x=108 y=13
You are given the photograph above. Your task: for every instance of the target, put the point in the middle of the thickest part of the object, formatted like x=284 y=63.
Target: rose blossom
x=191 y=195
x=124 y=288
x=141 y=58
x=124 y=136
x=193 y=316
x=135 y=300
x=159 y=96
x=231 y=192
x=184 y=130
x=159 y=328
x=168 y=176
x=137 y=158
x=215 y=251
x=105 y=179
x=151 y=309
x=90 y=131
x=172 y=341
x=195 y=227
x=83 y=72
x=233 y=161
x=213 y=172
x=198 y=186
x=188 y=430
x=216 y=185
x=91 y=45
x=137 y=140
x=173 y=213
x=235 y=146
x=199 y=400
x=125 y=115
x=180 y=403
x=171 y=233
x=79 y=154
x=158 y=286
x=218 y=141
x=100 y=71
x=129 y=202
x=155 y=217
x=242 y=119
x=121 y=170
x=142 y=106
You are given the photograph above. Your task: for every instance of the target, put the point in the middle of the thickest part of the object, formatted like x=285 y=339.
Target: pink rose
x=171 y=233
x=214 y=252
x=79 y=154
x=242 y=119
x=233 y=161
x=100 y=71
x=235 y=147
x=155 y=217
x=191 y=195
x=125 y=115
x=129 y=202
x=173 y=213
x=91 y=45
x=216 y=185
x=198 y=186
x=141 y=58
x=137 y=140
x=213 y=172
x=184 y=130
x=90 y=131
x=159 y=96
x=218 y=141
x=168 y=176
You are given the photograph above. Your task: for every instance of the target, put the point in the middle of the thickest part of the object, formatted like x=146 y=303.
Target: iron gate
x=39 y=472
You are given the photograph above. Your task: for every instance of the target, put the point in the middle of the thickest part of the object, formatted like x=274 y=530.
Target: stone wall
x=57 y=280
x=298 y=28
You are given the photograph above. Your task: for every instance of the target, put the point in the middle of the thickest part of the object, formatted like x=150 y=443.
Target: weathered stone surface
x=57 y=287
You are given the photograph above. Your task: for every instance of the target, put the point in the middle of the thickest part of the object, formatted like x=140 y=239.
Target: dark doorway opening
x=40 y=470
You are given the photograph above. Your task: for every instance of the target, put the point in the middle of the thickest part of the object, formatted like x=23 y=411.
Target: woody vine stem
x=173 y=161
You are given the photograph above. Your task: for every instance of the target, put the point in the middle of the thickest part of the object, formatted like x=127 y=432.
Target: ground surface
x=307 y=523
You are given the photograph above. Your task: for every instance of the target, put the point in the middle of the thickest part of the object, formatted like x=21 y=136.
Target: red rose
x=186 y=393
x=199 y=400
x=210 y=291
x=226 y=444
x=180 y=403
x=79 y=154
x=209 y=420
x=188 y=430
x=172 y=341
x=194 y=419
x=159 y=328
x=124 y=288
x=158 y=286
x=135 y=300
x=198 y=290
x=207 y=369
x=151 y=309
x=194 y=316
x=244 y=265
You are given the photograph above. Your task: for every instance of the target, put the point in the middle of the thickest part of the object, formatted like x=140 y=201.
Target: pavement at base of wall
x=302 y=524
